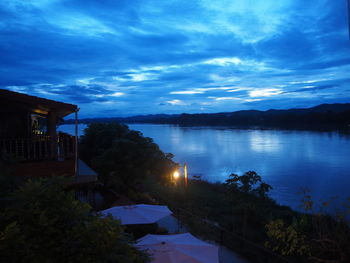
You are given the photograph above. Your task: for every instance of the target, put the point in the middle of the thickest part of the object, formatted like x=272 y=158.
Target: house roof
x=37 y=104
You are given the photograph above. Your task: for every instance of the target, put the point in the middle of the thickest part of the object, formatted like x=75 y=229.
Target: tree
x=44 y=223
x=122 y=156
x=246 y=183
x=246 y=195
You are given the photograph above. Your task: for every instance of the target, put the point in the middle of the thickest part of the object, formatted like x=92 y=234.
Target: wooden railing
x=39 y=147
x=66 y=146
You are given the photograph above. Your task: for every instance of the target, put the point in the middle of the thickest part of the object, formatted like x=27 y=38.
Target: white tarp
x=178 y=248
x=138 y=214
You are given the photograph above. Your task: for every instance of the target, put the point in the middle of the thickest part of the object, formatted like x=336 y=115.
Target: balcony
x=29 y=141
x=38 y=148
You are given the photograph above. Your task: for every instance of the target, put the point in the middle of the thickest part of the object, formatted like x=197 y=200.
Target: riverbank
x=250 y=225
x=287 y=160
x=237 y=213
x=208 y=210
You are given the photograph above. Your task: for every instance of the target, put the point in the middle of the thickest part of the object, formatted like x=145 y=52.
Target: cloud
x=175 y=102
x=187 y=92
x=117 y=94
x=199 y=90
x=313 y=89
x=118 y=57
x=223 y=61
x=264 y=92
x=227 y=98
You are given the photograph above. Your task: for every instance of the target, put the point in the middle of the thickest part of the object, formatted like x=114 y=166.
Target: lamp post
x=185 y=175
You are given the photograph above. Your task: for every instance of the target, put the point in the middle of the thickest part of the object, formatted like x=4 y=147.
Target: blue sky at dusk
x=128 y=57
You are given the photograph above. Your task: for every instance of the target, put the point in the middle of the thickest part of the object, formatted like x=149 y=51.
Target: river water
x=288 y=160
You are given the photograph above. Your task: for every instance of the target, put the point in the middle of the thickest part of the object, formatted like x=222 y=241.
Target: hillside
x=324 y=115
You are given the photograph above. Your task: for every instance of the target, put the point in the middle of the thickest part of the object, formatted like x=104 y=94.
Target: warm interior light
x=176 y=174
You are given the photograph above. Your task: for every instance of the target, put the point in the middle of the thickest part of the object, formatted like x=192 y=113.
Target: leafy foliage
x=122 y=156
x=8 y=183
x=243 y=213
x=246 y=183
x=288 y=240
x=44 y=223
x=318 y=236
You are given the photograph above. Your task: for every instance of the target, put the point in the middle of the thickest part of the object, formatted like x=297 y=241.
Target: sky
x=132 y=57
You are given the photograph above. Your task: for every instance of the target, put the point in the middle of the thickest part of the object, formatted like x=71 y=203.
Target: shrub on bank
x=45 y=223
x=122 y=157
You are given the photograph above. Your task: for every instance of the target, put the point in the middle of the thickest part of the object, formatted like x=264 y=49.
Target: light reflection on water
x=288 y=160
x=264 y=142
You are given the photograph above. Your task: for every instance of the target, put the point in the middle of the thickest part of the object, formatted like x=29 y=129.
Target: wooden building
x=29 y=137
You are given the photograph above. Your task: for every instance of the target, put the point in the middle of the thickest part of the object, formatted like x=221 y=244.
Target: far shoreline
x=320 y=128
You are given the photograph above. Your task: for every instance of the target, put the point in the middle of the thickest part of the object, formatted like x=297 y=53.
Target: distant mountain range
x=324 y=115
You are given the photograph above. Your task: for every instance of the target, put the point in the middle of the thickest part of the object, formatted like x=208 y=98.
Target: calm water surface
x=287 y=160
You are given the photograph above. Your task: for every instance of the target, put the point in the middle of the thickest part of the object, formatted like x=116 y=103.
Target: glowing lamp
x=176 y=174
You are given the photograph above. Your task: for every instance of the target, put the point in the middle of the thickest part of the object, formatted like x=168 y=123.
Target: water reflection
x=264 y=142
x=175 y=135
x=288 y=160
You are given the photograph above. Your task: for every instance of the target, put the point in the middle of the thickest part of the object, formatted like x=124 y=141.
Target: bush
x=315 y=236
x=45 y=223
x=122 y=157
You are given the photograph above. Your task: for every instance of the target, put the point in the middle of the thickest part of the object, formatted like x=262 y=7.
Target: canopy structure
x=178 y=248
x=19 y=101
x=138 y=214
